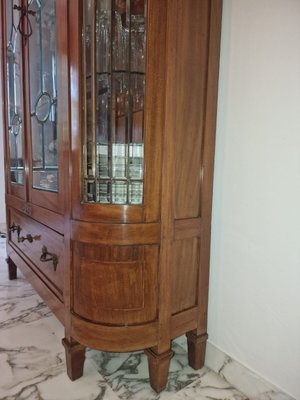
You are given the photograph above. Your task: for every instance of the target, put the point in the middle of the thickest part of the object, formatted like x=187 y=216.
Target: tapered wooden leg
x=12 y=269
x=75 y=356
x=158 y=368
x=196 y=349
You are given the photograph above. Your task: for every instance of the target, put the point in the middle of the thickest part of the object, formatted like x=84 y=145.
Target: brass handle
x=28 y=237
x=46 y=256
x=14 y=228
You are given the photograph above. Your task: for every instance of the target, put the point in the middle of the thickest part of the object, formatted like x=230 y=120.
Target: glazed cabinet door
x=34 y=76
x=12 y=79
x=45 y=108
x=113 y=71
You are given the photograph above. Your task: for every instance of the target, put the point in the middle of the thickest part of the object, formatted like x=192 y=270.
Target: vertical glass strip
x=84 y=104
x=121 y=100
x=103 y=95
x=129 y=103
x=14 y=93
x=93 y=88
x=88 y=110
x=137 y=89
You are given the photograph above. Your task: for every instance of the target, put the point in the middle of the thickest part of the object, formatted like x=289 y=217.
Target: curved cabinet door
x=113 y=91
x=13 y=92
x=117 y=144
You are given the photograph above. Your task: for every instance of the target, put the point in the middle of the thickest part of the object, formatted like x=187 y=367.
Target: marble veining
x=210 y=386
x=32 y=362
x=19 y=302
x=17 y=313
x=127 y=373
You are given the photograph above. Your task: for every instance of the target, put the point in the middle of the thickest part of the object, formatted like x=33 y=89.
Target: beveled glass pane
x=119 y=192
x=14 y=93
x=119 y=160
x=135 y=192
x=103 y=192
x=43 y=95
x=50 y=145
x=113 y=91
x=47 y=180
x=90 y=190
x=43 y=107
x=37 y=144
x=102 y=160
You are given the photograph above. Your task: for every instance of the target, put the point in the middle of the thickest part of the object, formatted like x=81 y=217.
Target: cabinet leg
x=158 y=368
x=75 y=356
x=196 y=349
x=12 y=269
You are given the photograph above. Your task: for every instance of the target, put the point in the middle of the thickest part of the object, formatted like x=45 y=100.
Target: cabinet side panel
x=154 y=107
x=189 y=104
x=184 y=274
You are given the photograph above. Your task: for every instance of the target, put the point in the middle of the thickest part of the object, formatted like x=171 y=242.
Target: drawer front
x=43 y=247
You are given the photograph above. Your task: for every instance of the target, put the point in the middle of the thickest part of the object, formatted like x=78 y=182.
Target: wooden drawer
x=48 y=266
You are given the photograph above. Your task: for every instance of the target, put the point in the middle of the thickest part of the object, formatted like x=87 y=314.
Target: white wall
x=2 y=187
x=254 y=307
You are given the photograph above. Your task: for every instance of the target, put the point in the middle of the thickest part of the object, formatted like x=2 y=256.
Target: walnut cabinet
x=109 y=124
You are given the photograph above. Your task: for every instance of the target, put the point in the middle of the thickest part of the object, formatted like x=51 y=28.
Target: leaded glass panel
x=14 y=92
x=113 y=91
x=43 y=94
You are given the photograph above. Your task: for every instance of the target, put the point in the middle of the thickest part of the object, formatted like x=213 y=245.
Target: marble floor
x=32 y=365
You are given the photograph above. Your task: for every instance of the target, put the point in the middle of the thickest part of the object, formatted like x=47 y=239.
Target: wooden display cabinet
x=110 y=115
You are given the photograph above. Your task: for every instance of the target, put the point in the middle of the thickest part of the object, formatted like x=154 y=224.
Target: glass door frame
x=12 y=189
x=153 y=123
x=52 y=200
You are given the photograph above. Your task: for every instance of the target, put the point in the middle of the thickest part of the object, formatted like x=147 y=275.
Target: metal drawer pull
x=46 y=256
x=14 y=228
x=28 y=237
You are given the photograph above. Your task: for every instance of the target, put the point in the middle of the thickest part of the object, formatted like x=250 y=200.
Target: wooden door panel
x=189 y=104
x=115 y=284
x=184 y=274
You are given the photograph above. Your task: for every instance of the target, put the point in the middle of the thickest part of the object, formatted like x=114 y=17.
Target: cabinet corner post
x=12 y=269
x=75 y=356
x=158 y=368
x=196 y=349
